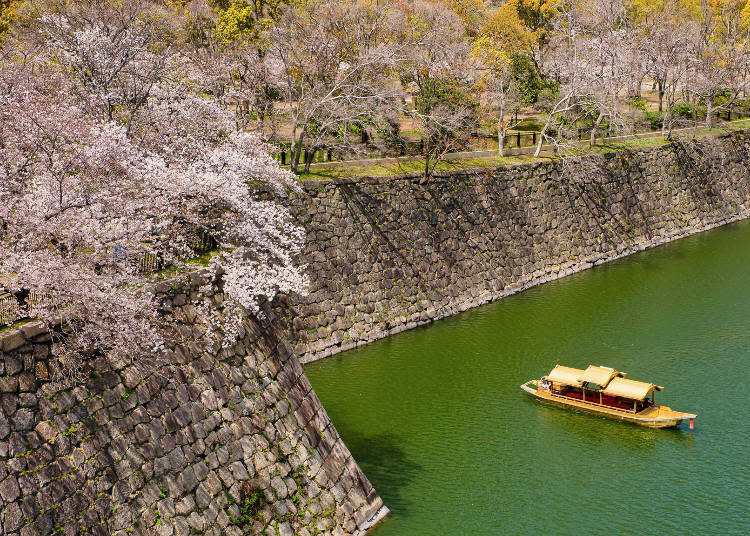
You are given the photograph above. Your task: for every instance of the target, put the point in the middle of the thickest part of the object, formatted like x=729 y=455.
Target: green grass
x=204 y=259
x=625 y=145
x=417 y=166
x=413 y=166
x=412 y=135
x=170 y=271
x=15 y=324
x=529 y=124
x=655 y=141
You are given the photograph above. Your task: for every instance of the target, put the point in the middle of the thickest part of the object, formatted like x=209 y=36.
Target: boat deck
x=663 y=412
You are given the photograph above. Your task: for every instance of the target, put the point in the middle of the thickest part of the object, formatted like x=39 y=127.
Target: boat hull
x=653 y=417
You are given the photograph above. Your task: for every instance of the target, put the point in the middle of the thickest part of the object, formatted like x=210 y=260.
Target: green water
x=437 y=421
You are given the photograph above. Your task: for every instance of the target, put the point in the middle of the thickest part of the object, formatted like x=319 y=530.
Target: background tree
x=562 y=104
x=334 y=61
x=603 y=32
x=538 y=16
x=7 y=14
x=447 y=114
x=718 y=56
x=229 y=50
x=502 y=45
x=439 y=74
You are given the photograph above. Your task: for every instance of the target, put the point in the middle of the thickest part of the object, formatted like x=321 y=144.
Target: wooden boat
x=607 y=392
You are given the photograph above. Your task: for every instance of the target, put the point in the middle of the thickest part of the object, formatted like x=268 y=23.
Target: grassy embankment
x=417 y=166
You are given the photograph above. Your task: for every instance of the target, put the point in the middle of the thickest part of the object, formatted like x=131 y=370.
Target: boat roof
x=600 y=375
x=565 y=375
x=630 y=388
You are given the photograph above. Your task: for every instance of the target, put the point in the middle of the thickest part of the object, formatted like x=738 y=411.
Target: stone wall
x=388 y=254
x=232 y=441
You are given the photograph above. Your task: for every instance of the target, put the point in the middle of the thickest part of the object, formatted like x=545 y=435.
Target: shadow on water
x=385 y=464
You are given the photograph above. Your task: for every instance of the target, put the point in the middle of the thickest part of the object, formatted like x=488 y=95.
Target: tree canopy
x=129 y=129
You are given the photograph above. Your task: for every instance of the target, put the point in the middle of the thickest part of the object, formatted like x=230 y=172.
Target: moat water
x=437 y=421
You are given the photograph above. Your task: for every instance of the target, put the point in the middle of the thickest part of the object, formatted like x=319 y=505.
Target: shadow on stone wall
x=389 y=254
x=215 y=441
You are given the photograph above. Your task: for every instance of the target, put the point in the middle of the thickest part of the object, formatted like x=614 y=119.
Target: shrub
x=253 y=501
x=638 y=103
x=683 y=109
x=655 y=119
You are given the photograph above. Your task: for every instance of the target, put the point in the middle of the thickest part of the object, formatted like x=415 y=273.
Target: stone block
x=12 y=340
x=279 y=487
x=185 y=506
x=189 y=480
x=9 y=384
x=9 y=490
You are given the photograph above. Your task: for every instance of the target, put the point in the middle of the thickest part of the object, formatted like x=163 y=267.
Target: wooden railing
x=591 y=402
x=11 y=310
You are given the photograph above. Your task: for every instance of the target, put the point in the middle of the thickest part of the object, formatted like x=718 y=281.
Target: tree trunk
x=296 y=151
x=500 y=140
x=660 y=85
x=310 y=157
x=541 y=139
x=294 y=157
x=501 y=128
x=592 y=141
x=293 y=146
x=709 y=112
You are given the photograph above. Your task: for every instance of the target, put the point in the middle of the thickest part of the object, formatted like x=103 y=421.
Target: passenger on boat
x=545 y=383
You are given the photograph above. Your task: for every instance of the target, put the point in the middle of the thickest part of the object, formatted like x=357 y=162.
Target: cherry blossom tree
x=439 y=72
x=335 y=59
x=116 y=51
x=86 y=192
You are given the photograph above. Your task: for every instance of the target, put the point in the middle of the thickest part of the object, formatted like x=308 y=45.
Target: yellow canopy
x=565 y=375
x=599 y=375
x=630 y=389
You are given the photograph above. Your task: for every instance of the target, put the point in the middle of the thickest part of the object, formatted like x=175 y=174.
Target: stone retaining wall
x=232 y=441
x=389 y=254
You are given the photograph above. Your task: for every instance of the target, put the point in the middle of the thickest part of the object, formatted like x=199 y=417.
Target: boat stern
x=665 y=417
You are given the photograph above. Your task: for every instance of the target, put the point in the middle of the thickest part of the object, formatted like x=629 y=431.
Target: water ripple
x=437 y=421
